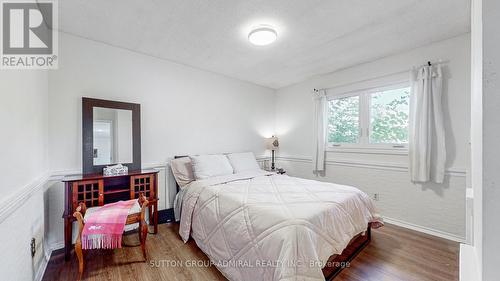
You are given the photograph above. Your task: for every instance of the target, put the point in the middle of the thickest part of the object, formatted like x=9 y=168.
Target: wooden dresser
x=97 y=190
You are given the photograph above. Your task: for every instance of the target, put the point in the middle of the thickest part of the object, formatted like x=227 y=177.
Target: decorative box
x=118 y=169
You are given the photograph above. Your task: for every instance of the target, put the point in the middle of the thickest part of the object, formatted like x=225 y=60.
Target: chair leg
x=79 y=254
x=143 y=226
x=143 y=233
x=79 y=213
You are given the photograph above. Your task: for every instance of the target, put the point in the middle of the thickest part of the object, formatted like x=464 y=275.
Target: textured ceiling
x=314 y=37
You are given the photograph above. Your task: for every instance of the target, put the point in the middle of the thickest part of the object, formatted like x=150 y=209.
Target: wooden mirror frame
x=88 y=105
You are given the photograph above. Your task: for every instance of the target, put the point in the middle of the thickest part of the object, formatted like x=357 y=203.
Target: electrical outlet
x=376 y=196
x=33 y=247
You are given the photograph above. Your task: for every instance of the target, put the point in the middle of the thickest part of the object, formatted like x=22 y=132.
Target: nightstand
x=279 y=171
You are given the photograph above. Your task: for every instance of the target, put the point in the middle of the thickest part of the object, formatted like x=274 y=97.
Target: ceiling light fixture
x=262 y=36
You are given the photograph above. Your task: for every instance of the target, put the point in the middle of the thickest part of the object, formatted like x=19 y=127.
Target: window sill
x=369 y=150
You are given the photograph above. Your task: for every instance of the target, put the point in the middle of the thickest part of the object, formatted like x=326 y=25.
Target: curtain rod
x=429 y=63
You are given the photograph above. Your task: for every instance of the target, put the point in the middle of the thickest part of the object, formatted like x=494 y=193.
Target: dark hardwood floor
x=394 y=253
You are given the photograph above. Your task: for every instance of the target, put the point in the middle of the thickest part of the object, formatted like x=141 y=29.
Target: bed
x=258 y=225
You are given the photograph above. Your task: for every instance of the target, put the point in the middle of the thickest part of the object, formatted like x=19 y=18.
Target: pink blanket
x=104 y=228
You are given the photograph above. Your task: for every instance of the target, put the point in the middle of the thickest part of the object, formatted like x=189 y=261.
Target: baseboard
x=167 y=216
x=56 y=246
x=426 y=230
x=11 y=204
x=468 y=264
x=41 y=270
x=47 y=254
x=7 y=207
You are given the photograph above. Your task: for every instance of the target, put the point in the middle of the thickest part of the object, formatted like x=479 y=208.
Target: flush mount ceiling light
x=262 y=35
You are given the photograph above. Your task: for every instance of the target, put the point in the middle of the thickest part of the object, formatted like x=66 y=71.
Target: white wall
x=183 y=110
x=23 y=170
x=471 y=254
x=439 y=209
x=23 y=123
x=480 y=260
x=490 y=141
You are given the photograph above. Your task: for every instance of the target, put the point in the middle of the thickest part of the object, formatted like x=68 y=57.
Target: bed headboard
x=177 y=188
x=176 y=184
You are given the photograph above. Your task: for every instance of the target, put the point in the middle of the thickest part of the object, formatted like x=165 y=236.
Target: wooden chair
x=79 y=214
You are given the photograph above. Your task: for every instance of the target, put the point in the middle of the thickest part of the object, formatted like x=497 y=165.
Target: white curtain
x=427 y=149
x=319 y=131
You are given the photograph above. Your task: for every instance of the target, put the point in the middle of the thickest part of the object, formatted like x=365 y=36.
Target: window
x=389 y=116
x=376 y=118
x=343 y=120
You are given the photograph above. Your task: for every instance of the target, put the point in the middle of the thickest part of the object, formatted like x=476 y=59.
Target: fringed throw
x=104 y=228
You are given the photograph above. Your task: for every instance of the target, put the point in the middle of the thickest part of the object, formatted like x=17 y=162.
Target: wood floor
x=394 y=254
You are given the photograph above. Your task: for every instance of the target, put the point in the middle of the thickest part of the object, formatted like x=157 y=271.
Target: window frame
x=365 y=126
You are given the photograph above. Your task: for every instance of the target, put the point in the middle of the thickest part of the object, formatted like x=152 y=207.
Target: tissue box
x=115 y=170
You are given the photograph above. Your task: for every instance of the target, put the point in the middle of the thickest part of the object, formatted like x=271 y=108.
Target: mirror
x=111 y=132
x=112 y=136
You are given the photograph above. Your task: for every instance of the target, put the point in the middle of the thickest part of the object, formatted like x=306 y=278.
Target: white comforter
x=262 y=226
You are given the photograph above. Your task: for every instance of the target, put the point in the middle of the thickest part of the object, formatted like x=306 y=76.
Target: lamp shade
x=272 y=143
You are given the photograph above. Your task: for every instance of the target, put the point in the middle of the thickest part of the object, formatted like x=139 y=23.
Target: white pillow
x=182 y=170
x=207 y=166
x=243 y=162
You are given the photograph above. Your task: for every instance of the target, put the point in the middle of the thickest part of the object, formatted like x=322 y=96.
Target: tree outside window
x=383 y=114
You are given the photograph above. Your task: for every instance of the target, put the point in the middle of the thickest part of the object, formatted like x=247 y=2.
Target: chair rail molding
x=11 y=203
x=8 y=205
x=386 y=165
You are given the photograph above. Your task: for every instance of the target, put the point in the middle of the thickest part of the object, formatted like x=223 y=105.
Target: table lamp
x=272 y=144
